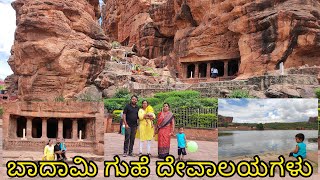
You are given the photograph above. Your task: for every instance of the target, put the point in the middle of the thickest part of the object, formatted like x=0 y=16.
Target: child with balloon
x=182 y=143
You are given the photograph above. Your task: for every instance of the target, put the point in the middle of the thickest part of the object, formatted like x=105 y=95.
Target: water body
x=250 y=143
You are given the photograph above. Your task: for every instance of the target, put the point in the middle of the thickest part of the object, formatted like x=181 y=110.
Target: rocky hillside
x=262 y=33
x=59 y=47
x=61 y=50
x=131 y=72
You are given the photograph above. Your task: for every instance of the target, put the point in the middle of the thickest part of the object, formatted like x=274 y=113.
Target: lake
x=251 y=143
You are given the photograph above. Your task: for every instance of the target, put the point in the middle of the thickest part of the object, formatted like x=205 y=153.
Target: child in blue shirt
x=63 y=148
x=182 y=144
x=301 y=148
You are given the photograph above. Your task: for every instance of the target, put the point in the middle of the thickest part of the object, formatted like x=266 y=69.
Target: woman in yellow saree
x=49 y=152
x=145 y=131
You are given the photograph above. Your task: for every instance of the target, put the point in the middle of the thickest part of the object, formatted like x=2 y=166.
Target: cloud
x=270 y=110
x=8 y=26
x=6 y=1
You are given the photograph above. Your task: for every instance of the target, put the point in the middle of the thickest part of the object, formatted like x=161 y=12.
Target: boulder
x=109 y=92
x=282 y=91
x=59 y=47
x=90 y=93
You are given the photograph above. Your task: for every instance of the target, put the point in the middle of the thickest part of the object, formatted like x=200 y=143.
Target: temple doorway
x=52 y=128
x=190 y=70
x=21 y=124
x=67 y=128
x=82 y=126
x=220 y=66
x=202 y=70
x=36 y=128
x=233 y=67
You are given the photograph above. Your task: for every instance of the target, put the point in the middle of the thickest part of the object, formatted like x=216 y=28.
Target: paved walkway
x=114 y=146
x=207 y=151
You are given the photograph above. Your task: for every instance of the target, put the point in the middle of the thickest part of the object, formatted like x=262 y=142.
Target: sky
x=268 y=110
x=8 y=26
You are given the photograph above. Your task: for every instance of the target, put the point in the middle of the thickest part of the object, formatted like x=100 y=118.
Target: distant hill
x=285 y=126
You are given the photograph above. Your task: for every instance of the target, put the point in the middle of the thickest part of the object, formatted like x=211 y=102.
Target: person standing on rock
x=130 y=120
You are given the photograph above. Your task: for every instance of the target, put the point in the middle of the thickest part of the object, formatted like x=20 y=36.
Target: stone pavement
x=207 y=151
x=114 y=146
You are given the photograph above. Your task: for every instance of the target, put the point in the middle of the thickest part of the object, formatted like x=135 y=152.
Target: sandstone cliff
x=262 y=33
x=59 y=47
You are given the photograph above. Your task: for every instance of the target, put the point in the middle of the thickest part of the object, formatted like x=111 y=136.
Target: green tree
x=225 y=124
x=260 y=126
x=122 y=93
x=317 y=92
x=239 y=93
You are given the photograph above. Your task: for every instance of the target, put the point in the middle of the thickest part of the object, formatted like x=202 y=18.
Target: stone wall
x=201 y=134
x=191 y=133
x=113 y=128
x=301 y=82
x=264 y=82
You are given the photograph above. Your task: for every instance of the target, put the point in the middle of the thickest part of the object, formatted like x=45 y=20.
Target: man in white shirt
x=214 y=72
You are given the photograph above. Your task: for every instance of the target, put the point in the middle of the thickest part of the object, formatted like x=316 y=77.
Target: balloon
x=192 y=146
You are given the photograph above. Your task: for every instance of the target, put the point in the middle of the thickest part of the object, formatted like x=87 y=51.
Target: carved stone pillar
x=29 y=128
x=60 y=128
x=196 y=71
x=208 y=71
x=74 y=129
x=44 y=128
x=225 y=68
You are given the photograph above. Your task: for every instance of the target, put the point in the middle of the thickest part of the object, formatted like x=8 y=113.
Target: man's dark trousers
x=130 y=136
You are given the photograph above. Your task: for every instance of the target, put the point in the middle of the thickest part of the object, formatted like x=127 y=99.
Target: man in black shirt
x=58 y=152
x=130 y=120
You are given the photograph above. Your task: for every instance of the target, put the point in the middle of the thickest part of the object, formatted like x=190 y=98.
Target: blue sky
x=8 y=26
x=268 y=110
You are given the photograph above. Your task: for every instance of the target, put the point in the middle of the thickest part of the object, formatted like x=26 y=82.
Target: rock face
x=313 y=119
x=261 y=33
x=59 y=47
x=121 y=72
x=277 y=31
x=148 y=24
x=222 y=120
